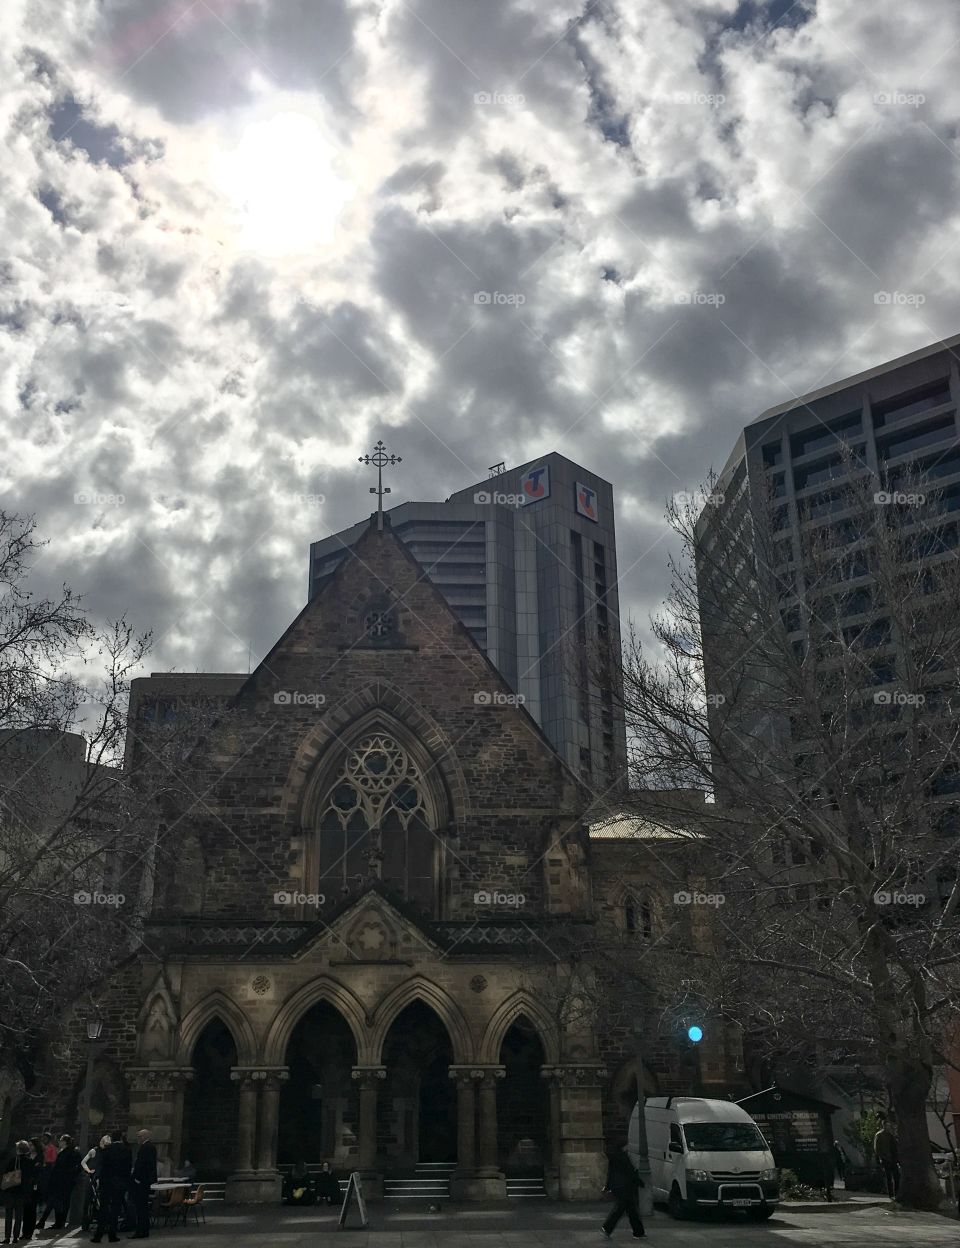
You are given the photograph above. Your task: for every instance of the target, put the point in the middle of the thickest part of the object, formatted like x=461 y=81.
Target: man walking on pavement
x=625 y=1183
x=144 y=1176
x=885 y=1151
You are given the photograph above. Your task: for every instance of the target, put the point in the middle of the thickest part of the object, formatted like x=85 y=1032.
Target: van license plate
x=738 y=1203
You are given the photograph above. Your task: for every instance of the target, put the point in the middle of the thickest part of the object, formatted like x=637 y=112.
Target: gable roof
x=316 y=603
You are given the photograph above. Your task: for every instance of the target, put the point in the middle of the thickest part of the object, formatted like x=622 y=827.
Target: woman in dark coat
x=63 y=1178
x=15 y=1196
x=328 y=1188
x=37 y=1190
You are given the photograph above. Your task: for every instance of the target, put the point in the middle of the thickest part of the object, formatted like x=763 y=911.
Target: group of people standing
x=37 y=1182
x=40 y=1177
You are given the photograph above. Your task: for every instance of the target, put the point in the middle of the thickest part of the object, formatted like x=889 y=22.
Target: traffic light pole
x=643 y=1153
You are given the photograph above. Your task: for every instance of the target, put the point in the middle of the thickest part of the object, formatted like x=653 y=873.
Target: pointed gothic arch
x=217 y=1005
x=376 y=805
x=420 y=732
x=505 y=1015
x=419 y=988
x=324 y=988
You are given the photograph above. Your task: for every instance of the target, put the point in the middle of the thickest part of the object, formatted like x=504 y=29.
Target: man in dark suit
x=144 y=1176
x=625 y=1183
x=114 y=1179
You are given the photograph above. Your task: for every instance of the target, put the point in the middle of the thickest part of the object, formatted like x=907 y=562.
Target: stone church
x=361 y=952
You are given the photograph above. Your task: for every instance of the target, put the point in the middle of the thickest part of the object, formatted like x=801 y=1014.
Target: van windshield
x=723 y=1137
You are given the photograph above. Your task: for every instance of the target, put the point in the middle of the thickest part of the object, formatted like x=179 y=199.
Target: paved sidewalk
x=535 y=1223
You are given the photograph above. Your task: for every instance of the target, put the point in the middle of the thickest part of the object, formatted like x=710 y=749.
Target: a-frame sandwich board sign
x=353 y=1189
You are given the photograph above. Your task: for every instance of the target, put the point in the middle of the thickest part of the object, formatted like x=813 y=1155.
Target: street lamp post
x=94 y=1028
x=645 y=1195
x=79 y=1194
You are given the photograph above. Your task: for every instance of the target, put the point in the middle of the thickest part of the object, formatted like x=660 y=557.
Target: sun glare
x=282 y=185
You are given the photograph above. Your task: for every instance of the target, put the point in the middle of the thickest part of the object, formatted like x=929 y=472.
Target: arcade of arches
x=487 y=1120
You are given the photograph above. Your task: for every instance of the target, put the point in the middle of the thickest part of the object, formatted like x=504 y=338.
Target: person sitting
x=298 y=1188
x=327 y=1187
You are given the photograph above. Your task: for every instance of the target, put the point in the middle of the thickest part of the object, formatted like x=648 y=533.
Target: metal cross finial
x=380 y=458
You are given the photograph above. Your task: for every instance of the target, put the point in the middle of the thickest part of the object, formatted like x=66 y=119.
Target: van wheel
x=676 y=1205
x=764 y=1212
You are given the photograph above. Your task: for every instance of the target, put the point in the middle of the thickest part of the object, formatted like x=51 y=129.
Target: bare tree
x=79 y=825
x=809 y=685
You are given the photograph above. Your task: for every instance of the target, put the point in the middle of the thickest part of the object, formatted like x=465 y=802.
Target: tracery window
x=375 y=822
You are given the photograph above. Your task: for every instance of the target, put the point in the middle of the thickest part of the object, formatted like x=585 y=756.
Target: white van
x=706 y=1154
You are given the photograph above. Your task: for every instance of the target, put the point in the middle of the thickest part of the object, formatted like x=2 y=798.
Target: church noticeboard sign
x=792 y=1131
x=353 y=1189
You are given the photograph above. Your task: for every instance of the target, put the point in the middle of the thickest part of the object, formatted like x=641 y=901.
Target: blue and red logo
x=586 y=501
x=535 y=484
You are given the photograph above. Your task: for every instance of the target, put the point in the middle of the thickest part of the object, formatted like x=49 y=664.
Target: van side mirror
x=675 y=1147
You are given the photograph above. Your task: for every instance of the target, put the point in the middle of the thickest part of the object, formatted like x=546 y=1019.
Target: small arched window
x=637 y=917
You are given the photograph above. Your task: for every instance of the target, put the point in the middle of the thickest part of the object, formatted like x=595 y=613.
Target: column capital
x=368 y=1076
x=157 y=1078
x=487 y=1073
x=259 y=1074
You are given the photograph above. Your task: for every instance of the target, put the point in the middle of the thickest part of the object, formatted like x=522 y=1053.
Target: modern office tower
x=527 y=560
x=795 y=464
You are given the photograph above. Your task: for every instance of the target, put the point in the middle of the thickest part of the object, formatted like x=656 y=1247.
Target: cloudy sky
x=243 y=239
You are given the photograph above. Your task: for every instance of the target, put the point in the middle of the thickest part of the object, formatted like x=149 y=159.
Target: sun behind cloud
x=280 y=179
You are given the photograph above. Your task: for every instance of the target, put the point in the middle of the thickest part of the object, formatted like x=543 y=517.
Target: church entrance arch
x=417 y=1114
x=523 y=1103
x=319 y=1104
x=211 y=1103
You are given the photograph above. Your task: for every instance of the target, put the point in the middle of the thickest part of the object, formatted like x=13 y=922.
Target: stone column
x=246 y=1120
x=582 y=1161
x=369 y=1078
x=490 y=1182
x=262 y=1184
x=551 y=1171
x=463 y=1178
x=269 y=1120
x=180 y=1080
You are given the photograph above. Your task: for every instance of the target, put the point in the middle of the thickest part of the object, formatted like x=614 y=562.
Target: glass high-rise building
x=527 y=560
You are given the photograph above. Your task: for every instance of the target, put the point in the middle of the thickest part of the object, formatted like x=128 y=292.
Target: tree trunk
x=910 y=1083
